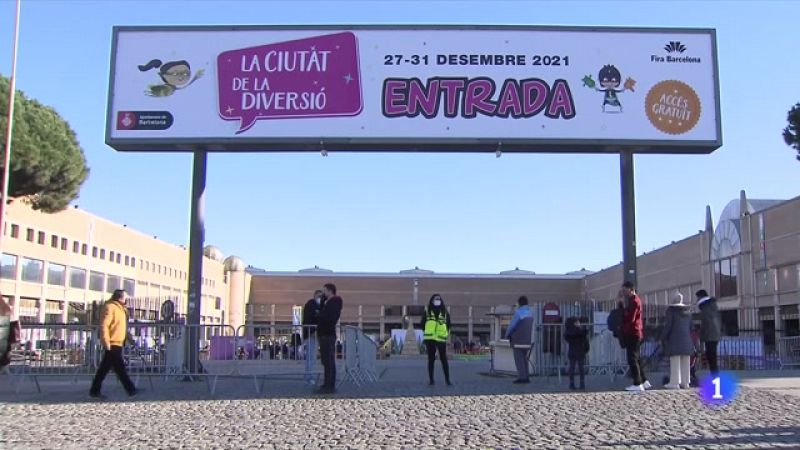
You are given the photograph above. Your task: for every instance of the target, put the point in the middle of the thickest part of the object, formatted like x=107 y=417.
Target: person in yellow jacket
x=113 y=332
x=436 y=329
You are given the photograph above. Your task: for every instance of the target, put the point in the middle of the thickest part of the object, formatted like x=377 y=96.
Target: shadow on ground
x=759 y=436
x=399 y=378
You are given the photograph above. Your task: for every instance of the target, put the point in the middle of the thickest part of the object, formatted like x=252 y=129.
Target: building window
x=102 y=253
x=64 y=243
x=787 y=282
x=29 y=235
x=111 y=256
x=133 y=262
x=129 y=286
x=725 y=277
x=32 y=270
x=147 y=266
x=56 y=274
x=96 y=281
x=730 y=322
x=54 y=241
x=76 y=246
x=14 y=230
x=94 y=252
x=762 y=283
x=40 y=239
x=8 y=267
x=77 y=278
x=127 y=260
x=113 y=282
x=218 y=303
x=119 y=258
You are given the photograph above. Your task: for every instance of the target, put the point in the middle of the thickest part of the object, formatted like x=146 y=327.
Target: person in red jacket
x=632 y=331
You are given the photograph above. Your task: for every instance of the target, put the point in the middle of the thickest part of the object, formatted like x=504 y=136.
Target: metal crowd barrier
x=217 y=344
x=606 y=356
x=155 y=349
x=276 y=351
x=549 y=352
x=360 y=355
x=54 y=350
x=789 y=351
x=159 y=349
x=745 y=352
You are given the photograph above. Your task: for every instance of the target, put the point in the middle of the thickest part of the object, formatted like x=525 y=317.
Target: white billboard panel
x=414 y=88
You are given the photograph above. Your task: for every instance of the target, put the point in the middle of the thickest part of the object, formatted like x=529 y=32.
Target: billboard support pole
x=628 y=216
x=196 y=240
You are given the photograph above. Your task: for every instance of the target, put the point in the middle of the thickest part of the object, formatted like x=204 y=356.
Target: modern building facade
x=380 y=302
x=54 y=266
x=750 y=261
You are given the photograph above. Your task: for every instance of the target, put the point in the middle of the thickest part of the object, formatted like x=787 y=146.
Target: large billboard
x=430 y=88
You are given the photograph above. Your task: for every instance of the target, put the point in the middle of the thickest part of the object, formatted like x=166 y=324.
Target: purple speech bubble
x=313 y=77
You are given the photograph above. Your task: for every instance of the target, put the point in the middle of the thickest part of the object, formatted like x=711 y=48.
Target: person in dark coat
x=676 y=339
x=710 y=328
x=327 y=319
x=309 y=321
x=578 y=341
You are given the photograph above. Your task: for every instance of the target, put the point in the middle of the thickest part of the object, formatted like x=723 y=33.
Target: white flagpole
x=12 y=90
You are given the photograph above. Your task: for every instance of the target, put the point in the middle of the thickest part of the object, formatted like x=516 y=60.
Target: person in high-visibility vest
x=436 y=328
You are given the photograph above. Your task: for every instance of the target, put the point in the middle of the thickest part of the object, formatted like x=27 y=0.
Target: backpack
x=614 y=321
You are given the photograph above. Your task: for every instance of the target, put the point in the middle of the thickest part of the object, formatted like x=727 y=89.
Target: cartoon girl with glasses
x=175 y=75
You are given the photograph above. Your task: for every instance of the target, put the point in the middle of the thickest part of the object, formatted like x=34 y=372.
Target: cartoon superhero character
x=175 y=75
x=610 y=79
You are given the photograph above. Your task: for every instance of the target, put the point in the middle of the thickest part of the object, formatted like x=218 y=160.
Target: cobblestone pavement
x=400 y=411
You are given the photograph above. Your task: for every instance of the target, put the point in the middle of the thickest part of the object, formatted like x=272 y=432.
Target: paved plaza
x=401 y=411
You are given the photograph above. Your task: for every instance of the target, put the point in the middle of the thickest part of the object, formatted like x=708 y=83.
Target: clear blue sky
x=448 y=213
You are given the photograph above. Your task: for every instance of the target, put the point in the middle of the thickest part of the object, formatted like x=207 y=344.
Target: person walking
x=113 y=332
x=519 y=335
x=577 y=339
x=436 y=329
x=632 y=332
x=710 y=328
x=676 y=339
x=327 y=318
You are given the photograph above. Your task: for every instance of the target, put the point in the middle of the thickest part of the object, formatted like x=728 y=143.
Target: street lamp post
x=12 y=89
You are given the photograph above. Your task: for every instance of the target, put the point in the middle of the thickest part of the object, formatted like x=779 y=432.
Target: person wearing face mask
x=310 y=311
x=436 y=326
